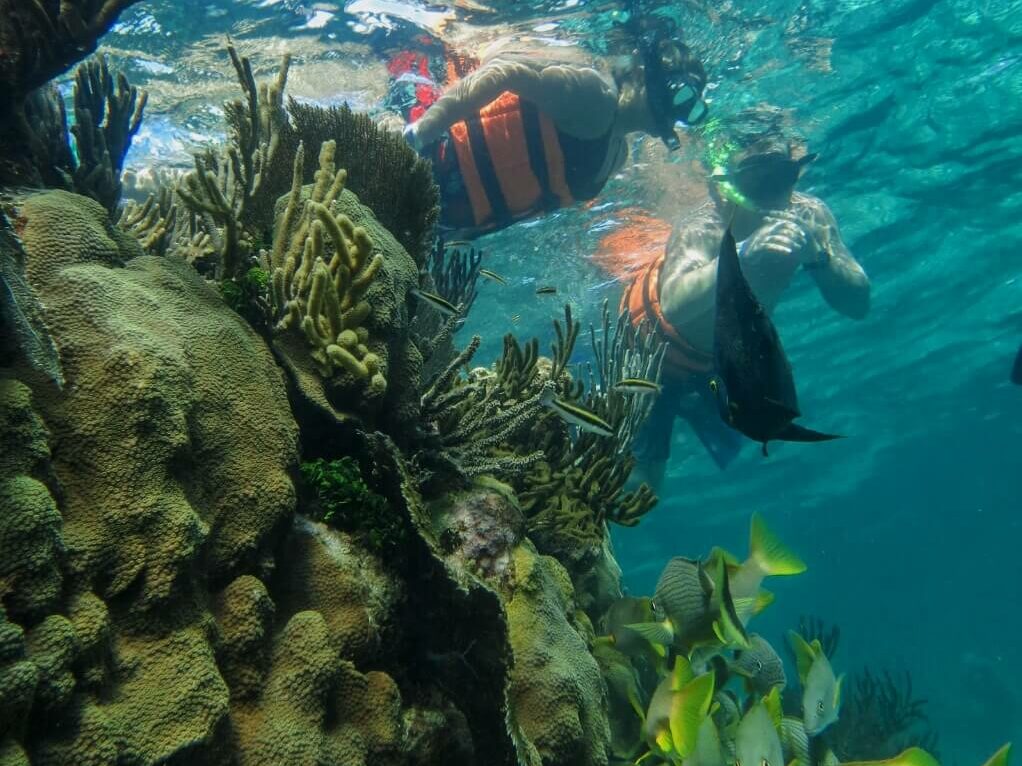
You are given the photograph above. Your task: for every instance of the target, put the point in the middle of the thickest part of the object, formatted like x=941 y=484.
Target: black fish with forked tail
x=754 y=386
x=1016 y=370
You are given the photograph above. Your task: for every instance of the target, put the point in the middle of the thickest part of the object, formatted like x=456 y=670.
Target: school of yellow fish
x=694 y=634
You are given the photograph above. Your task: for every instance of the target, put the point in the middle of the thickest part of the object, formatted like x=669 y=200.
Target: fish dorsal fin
x=817 y=647
x=804 y=656
x=768 y=552
x=1000 y=758
x=689 y=708
x=681 y=674
x=773 y=705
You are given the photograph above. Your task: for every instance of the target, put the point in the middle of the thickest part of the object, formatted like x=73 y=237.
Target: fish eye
x=819 y=706
x=738 y=762
x=713 y=388
x=759 y=666
x=764 y=762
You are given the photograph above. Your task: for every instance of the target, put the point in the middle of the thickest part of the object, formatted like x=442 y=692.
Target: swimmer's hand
x=785 y=236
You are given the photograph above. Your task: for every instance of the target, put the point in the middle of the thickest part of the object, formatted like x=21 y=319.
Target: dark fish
x=1016 y=370
x=754 y=385
x=546 y=291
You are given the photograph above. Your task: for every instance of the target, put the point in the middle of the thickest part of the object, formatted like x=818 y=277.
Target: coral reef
x=557 y=695
x=41 y=41
x=229 y=187
x=405 y=198
x=106 y=120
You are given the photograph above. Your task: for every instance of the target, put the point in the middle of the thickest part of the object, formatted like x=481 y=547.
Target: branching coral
x=454 y=272
x=153 y=223
x=228 y=187
x=880 y=717
x=323 y=295
x=386 y=174
x=38 y=41
x=570 y=485
x=470 y=422
x=106 y=120
x=580 y=486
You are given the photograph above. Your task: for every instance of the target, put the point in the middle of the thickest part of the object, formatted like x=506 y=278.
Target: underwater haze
x=911 y=526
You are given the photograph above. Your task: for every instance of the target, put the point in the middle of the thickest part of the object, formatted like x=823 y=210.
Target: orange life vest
x=641 y=299
x=511 y=162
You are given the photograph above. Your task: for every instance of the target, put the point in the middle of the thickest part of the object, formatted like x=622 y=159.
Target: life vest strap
x=537 y=155
x=487 y=173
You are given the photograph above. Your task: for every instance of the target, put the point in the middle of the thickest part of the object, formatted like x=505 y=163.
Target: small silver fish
x=443 y=306
x=493 y=276
x=637 y=386
x=585 y=419
x=546 y=291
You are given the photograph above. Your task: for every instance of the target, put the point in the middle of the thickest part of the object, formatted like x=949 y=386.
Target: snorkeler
x=779 y=231
x=530 y=130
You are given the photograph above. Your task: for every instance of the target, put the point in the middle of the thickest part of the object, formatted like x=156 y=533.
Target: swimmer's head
x=675 y=80
x=667 y=72
x=760 y=176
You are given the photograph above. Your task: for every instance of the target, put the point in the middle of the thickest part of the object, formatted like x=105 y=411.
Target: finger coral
x=321 y=267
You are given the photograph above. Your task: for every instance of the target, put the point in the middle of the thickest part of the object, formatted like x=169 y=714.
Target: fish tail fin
x=689 y=707
x=659 y=634
x=1000 y=758
x=768 y=552
x=796 y=433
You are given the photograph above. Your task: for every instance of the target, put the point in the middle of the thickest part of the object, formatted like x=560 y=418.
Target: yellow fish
x=676 y=712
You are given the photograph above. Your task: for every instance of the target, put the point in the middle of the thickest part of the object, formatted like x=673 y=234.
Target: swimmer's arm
x=841 y=279
x=689 y=279
x=578 y=99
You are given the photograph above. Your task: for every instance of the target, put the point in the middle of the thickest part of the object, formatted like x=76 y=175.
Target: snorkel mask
x=674 y=85
x=756 y=182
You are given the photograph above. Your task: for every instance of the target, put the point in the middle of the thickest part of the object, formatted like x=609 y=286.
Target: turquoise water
x=911 y=526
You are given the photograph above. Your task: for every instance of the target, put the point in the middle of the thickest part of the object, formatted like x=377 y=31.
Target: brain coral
x=174 y=437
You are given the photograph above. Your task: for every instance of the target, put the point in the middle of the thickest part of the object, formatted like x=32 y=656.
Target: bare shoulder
x=812 y=210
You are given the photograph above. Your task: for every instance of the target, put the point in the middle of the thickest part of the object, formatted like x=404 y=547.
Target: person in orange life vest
x=780 y=231
x=531 y=131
